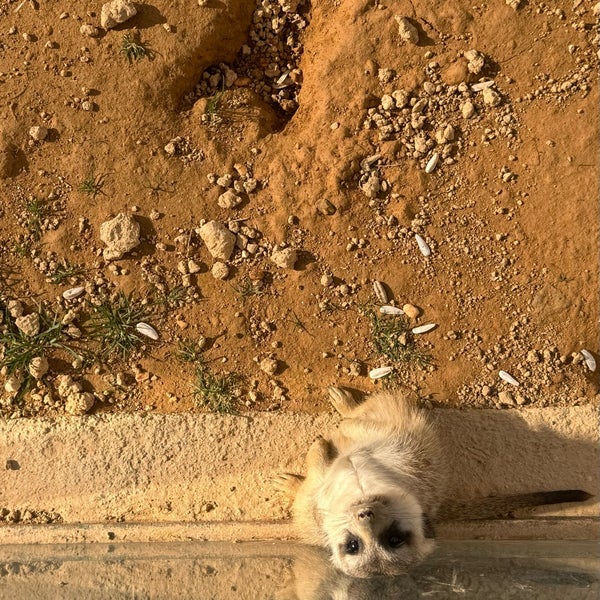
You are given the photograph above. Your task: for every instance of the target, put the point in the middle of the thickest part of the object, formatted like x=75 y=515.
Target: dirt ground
x=326 y=124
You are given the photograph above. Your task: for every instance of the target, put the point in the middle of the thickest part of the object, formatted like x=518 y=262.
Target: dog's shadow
x=498 y=453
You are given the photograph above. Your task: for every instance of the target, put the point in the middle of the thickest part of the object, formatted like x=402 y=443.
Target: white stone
x=38 y=133
x=269 y=366
x=285 y=259
x=219 y=241
x=408 y=32
x=29 y=324
x=38 y=367
x=491 y=97
x=387 y=102
x=79 y=403
x=220 y=270
x=120 y=235
x=115 y=12
x=229 y=199
x=467 y=109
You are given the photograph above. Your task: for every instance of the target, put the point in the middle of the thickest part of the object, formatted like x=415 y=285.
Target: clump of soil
x=259 y=167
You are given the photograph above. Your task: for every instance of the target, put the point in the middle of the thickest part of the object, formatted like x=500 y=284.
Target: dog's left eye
x=395 y=539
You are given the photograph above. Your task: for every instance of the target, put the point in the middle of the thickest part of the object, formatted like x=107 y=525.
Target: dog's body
x=370 y=491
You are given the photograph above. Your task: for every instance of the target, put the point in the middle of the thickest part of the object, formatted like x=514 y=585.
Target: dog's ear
x=428 y=530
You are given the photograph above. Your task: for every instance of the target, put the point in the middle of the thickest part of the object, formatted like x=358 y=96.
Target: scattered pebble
x=590 y=361
x=390 y=310
x=219 y=241
x=220 y=270
x=423 y=246
x=38 y=133
x=424 y=328
x=508 y=378
x=407 y=31
x=380 y=372
x=411 y=311
x=147 y=330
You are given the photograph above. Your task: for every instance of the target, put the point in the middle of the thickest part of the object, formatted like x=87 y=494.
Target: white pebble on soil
x=423 y=245
x=508 y=378
x=380 y=372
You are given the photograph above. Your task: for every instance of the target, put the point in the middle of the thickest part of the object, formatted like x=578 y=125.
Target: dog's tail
x=503 y=507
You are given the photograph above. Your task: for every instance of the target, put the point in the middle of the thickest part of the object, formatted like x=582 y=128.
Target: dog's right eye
x=352 y=546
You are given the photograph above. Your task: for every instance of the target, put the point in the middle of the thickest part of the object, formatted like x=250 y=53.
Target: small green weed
x=133 y=49
x=213 y=106
x=391 y=336
x=191 y=351
x=249 y=288
x=172 y=298
x=36 y=211
x=92 y=185
x=65 y=271
x=113 y=325
x=19 y=349
x=215 y=392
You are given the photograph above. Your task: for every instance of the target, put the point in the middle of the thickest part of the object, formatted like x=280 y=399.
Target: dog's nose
x=365 y=515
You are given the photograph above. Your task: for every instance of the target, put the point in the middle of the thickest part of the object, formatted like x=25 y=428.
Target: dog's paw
x=287 y=484
x=341 y=399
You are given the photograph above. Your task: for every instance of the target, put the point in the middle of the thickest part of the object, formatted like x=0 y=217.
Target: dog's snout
x=365 y=515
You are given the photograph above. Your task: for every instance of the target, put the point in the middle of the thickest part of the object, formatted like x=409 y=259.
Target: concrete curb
x=209 y=473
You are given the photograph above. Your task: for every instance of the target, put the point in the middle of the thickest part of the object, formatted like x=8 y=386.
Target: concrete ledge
x=205 y=470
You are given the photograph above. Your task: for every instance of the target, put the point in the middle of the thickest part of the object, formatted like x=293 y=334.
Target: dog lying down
x=370 y=492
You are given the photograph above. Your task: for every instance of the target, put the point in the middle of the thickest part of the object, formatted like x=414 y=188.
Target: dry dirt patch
x=324 y=143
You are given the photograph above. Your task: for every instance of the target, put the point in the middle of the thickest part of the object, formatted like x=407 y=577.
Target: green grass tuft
x=113 y=325
x=391 y=337
x=215 y=392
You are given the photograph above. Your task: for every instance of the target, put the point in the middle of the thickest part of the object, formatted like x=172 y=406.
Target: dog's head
x=378 y=535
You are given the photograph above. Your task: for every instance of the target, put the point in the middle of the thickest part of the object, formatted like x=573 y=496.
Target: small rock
x=468 y=109
x=229 y=199
x=219 y=241
x=285 y=259
x=372 y=186
x=411 y=311
x=13 y=384
x=506 y=399
x=38 y=367
x=121 y=235
x=15 y=308
x=326 y=207
x=89 y=30
x=29 y=324
x=79 y=403
x=408 y=32
x=193 y=267
x=38 y=133
x=171 y=149
x=326 y=280
x=269 y=366
x=491 y=97
x=115 y=12
x=225 y=181
x=476 y=61
x=387 y=102
x=220 y=270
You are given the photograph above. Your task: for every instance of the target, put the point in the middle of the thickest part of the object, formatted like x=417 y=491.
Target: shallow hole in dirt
x=266 y=68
